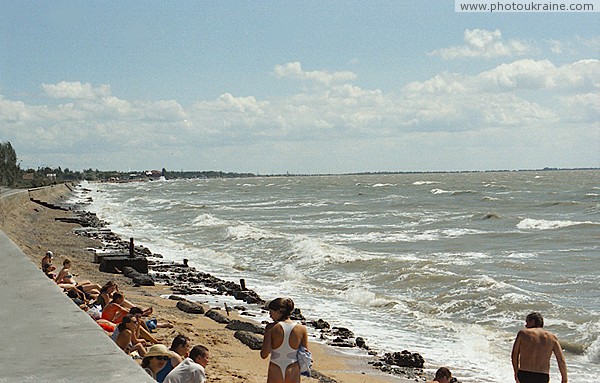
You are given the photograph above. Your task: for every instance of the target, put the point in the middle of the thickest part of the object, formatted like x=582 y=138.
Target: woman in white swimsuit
x=282 y=339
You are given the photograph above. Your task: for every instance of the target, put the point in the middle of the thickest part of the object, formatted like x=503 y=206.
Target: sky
x=270 y=87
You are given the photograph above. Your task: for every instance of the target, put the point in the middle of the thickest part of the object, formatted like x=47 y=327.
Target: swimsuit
x=532 y=377
x=110 y=314
x=162 y=374
x=284 y=355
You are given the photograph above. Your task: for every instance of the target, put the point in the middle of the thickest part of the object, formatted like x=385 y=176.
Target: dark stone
x=129 y=271
x=297 y=315
x=320 y=324
x=245 y=326
x=190 y=307
x=143 y=280
x=177 y=298
x=360 y=342
x=217 y=316
x=342 y=332
x=339 y=342
x=321 y=378
x=249 y=339
x=247 y=296
x=404 y=359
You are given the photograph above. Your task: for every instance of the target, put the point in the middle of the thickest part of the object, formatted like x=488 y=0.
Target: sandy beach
x=35 y=230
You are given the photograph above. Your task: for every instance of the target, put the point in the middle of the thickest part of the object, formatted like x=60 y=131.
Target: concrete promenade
x=45 y=337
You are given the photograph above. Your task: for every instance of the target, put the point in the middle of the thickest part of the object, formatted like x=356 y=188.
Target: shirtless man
x=442 y=375
x=532 y=350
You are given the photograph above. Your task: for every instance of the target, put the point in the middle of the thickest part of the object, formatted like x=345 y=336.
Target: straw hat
x=158 y=350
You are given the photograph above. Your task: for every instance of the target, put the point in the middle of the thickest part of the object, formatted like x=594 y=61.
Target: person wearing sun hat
x=155 y=359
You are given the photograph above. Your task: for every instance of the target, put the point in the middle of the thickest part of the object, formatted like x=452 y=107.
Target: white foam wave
x=365 y=297
x=543 y=224
x=207 y=220
x=404 y=236
x=313 y=204
x=521 y=255
x=417 y=183
x=593 y=352
x=383 y=185
x=488 y=198
x=309 y=251
x=451 y=192
x=244 y=231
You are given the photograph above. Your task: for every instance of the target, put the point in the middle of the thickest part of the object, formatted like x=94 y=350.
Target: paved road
x=45 y=337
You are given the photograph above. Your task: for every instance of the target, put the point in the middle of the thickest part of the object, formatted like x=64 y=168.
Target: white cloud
x=75 y=90
x=583 y=108
x=556 y=46
x=508 y=100
x=294 y=70
x=543 y=74
x=485 y=44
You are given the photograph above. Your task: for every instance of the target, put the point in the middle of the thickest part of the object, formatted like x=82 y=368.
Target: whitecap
x=418 y=183
x=365 y=297
x=207 y=220
x=543 y=224
x=593 y=352
x=313 y=251
x=244 y=231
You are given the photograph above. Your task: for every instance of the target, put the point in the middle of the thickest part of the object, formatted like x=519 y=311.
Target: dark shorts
x=532 y=377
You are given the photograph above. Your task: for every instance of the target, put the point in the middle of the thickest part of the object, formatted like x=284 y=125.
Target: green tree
x=9 y=170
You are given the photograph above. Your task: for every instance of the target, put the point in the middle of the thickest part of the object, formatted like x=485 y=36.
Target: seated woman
x=106 y=295
x=124 y=336
x=113 y=311
x=156 y=358
x=47 y=262
x=65 y=277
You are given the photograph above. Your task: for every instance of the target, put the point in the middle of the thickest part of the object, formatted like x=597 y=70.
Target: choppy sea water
x=446 y=265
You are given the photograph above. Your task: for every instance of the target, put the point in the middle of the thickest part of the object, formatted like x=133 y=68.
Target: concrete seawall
x=45 y=337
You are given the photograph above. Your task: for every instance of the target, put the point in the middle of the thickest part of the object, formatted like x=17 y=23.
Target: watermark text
x=491 y=6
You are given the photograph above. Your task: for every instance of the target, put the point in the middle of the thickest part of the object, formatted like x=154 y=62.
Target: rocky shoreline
x=185 y=280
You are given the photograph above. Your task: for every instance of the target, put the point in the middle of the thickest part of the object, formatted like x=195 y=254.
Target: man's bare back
x=533 y=349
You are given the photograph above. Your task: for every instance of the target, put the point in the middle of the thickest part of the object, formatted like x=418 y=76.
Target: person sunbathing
x=124 y=336
x=106 y=295
x=114 y=311
x=47 y=265
x=65 y=278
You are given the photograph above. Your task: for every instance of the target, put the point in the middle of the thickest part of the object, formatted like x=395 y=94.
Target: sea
x=444 y=264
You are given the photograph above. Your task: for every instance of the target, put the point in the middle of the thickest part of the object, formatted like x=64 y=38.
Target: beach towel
x=95 y=312
x=304 y=360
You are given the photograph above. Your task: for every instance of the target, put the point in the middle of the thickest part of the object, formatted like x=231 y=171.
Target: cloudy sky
x=299 y=86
